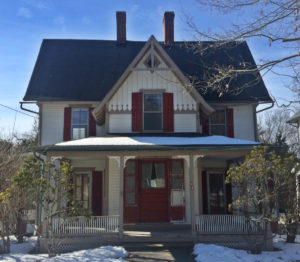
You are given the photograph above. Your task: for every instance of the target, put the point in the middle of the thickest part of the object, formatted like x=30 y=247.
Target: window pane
x=152 y=102
x=177 y=198
x=218 y=117
x=79 y=116
x=130 y=183
x=153 y=175
x=218 y=130
x=177 y=182
x=152 y=121
x=177 y=167
x=79 y=132
x=130 y=168
x=130 y=199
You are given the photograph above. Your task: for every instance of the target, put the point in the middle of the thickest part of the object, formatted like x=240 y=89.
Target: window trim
x=88 y=121
x=225 y=122
x=162 y=112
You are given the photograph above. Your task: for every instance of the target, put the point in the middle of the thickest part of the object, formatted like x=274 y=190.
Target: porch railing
x=227 y=224
x=75 y=226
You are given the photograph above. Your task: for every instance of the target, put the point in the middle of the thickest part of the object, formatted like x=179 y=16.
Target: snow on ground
x=213 y=253
x=19 y=253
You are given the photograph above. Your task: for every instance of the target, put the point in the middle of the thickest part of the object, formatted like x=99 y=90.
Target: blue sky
x=24 y=23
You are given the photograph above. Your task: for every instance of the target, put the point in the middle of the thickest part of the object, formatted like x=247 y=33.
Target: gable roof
x=86 y=70
x=153 y=45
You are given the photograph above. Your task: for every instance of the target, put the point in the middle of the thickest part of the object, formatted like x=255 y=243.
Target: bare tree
x=273 y=130
x=275 y=21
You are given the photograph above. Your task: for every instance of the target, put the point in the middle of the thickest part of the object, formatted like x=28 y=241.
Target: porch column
x=121 y=200
x=192 y=195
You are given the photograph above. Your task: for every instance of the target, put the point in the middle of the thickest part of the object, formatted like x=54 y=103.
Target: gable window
x=153 y=112
x=218 y=123
x=80 y=123
x=82 y=190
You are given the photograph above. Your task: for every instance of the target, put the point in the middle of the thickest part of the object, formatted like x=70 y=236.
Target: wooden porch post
x=121 y=203
x=192 y=194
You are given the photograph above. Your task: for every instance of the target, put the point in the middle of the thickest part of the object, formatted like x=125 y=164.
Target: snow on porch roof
x=151 y=143
x=157 y=141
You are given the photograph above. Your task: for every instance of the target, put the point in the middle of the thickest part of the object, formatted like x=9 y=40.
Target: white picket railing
x=227 y=224
x=76 y=226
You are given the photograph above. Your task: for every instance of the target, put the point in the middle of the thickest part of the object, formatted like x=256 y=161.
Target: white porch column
x=121 y=199
x=192 y=195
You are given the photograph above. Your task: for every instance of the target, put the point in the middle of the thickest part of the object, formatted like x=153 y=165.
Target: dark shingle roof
x=85 y=70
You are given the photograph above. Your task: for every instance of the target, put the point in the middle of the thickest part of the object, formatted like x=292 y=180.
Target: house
x=146 y=145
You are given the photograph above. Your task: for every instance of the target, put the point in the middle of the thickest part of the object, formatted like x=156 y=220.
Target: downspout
x=40 y=203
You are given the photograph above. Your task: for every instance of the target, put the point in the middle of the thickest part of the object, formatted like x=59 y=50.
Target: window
x=82 y=190
x=218 y=123
x=80 y=123
x=153 y=119
x=153 y=175
x=216 y=193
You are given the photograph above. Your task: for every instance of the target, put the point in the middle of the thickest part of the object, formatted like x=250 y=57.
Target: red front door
x=153 y=191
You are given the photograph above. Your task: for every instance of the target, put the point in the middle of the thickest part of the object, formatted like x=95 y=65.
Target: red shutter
x=168 y=112
x=92 y=123
x=137 y=112
x=97 y=193
x=229 y=122
x=205 y=127
x=67 y=123
x=204 y=192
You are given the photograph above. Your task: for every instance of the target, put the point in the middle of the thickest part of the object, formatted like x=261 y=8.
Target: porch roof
x=145 y=143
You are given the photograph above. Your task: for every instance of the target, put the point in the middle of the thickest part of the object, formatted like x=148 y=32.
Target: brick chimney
x=121 y=26
x=169 y=28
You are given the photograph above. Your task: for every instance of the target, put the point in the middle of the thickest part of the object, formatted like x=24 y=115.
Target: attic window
x=156 y=62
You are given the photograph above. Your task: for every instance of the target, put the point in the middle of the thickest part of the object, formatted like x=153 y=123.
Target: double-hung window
x=218 y=123
x=153 y=112
x=80 y=123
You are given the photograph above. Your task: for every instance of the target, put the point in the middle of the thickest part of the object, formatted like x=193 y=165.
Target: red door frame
x=132 y=214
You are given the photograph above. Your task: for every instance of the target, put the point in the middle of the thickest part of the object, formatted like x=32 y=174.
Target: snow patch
x=212 y=253
x=19 y=253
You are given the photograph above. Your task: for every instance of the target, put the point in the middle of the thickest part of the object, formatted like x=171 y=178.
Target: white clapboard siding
x=185 y=122
x=113 y=187
x=120 y=123
x=52 y=123
x=244 y=122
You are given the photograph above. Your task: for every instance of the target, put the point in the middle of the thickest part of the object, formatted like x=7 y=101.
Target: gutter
x=264 y=109
x=28 y=110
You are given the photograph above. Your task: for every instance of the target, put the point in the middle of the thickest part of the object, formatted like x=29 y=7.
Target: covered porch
x=155 y=188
